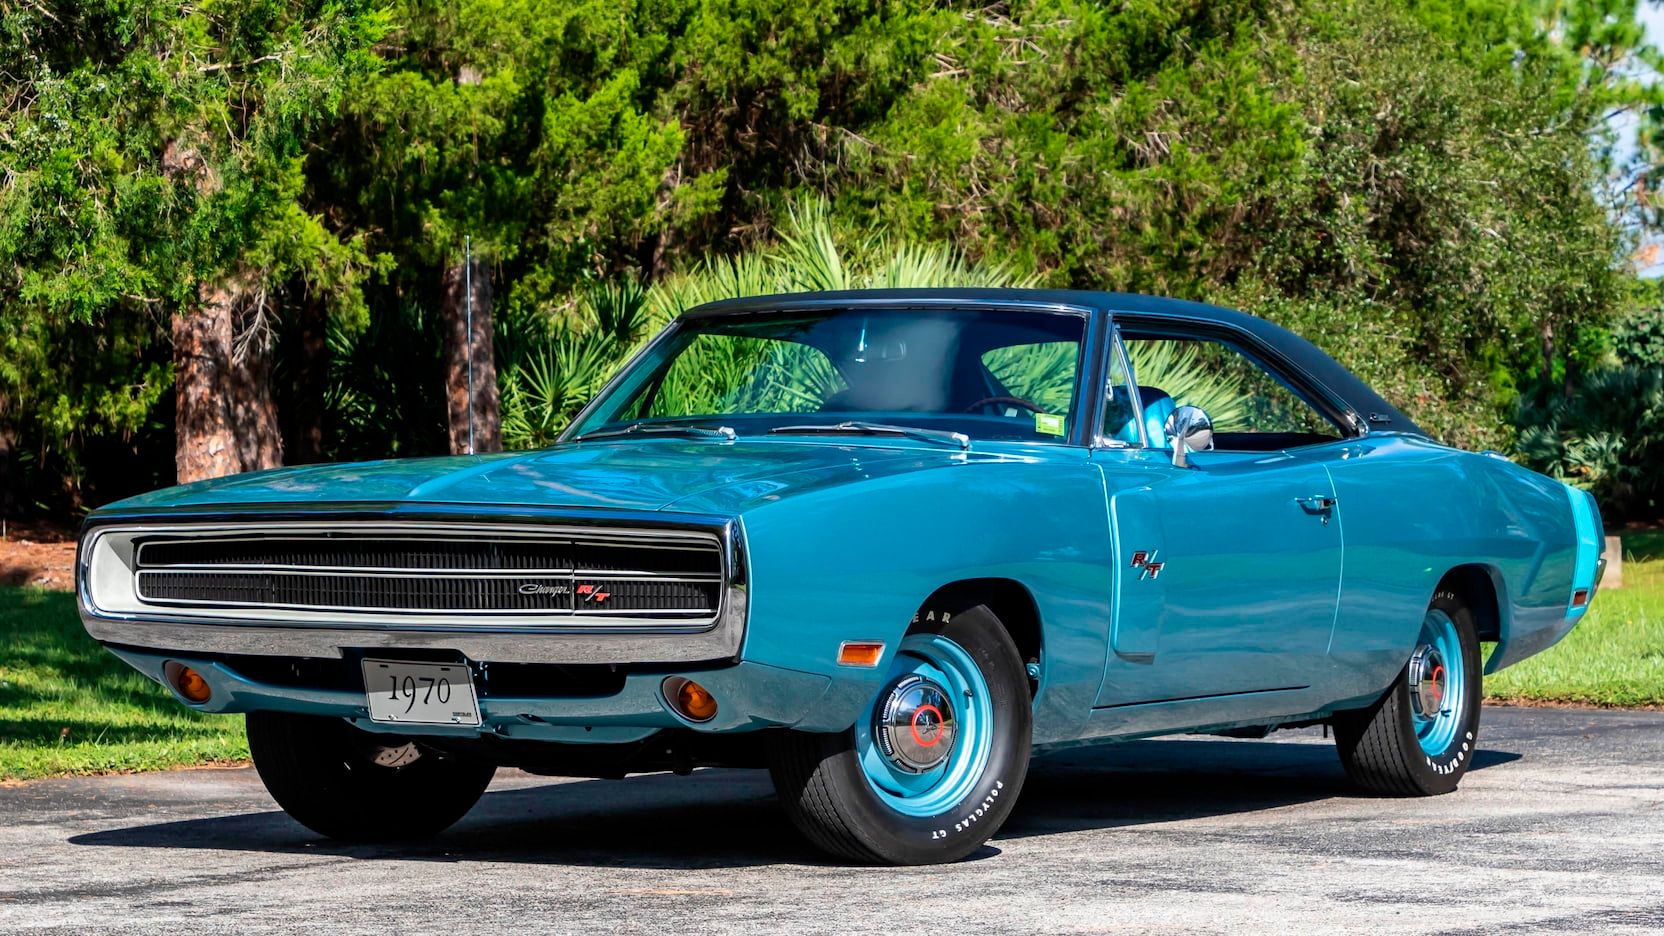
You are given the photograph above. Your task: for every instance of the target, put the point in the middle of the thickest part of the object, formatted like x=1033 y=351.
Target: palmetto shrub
x=1181 y=369
x=548 y=370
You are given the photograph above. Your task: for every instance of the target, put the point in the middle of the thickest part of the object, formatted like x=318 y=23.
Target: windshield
x=986 y=374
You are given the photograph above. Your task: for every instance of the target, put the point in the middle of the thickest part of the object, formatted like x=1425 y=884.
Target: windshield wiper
x=700 y=432
x=938 y=436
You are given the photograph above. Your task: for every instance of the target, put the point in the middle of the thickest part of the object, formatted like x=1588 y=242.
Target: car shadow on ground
x=729 y=818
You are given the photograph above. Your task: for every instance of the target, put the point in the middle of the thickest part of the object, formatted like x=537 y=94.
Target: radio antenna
x=468 y=288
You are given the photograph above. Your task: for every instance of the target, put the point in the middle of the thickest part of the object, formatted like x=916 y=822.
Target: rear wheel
x=1419 y=738
x=357 y=786
x=933 y=766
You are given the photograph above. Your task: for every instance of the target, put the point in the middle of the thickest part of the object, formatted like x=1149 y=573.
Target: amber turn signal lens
x=860 y=653
x=188 y=682
x=693 y=701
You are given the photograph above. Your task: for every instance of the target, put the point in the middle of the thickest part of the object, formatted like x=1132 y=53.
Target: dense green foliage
x=150 y=147
x=553 y=373
x=1638 y=338
x=1608 y=438
x=1420 y=186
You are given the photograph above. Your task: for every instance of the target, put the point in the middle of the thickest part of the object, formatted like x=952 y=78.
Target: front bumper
x=749 y=695
x=479 y=644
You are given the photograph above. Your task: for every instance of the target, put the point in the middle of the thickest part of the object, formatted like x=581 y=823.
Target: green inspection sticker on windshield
x=1048 y=424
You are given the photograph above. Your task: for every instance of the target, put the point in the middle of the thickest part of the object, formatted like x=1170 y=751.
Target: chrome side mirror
x=1188 y=430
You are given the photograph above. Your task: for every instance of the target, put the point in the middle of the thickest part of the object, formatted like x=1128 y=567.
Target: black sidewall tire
x=887 y=835
x=1441 y=773
x=319 y=769
x=1378 y=744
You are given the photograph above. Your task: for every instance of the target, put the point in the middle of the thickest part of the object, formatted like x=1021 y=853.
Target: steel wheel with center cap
x=1419 y=738
x=933 y=766
x=925 y=742
x=1436 y=699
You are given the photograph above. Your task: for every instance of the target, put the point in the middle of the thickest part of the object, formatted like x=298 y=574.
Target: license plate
x=420 y=693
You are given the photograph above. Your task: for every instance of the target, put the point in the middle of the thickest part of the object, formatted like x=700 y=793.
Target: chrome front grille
x=399 y=573
x=387 y=552
x=396 y=592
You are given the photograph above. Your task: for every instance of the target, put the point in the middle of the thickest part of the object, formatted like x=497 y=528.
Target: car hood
x=631 y=474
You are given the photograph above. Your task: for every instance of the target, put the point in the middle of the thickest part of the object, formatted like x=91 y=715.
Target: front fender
x=857 y=561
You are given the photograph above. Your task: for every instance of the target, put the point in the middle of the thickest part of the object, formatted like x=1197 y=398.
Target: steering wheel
x=1014 y=401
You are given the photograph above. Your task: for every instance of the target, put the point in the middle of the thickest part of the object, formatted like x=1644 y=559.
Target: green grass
x=1615 y=655
x=67 y=706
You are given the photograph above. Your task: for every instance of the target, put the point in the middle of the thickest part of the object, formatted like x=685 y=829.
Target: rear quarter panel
x=1411 y=511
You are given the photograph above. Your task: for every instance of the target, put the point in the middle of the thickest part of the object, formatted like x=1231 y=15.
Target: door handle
x=1318 y=504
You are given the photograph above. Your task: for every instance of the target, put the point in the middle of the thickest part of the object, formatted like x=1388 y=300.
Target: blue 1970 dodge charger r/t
x=884 y=544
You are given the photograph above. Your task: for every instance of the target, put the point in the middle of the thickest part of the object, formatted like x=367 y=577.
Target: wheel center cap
x=915 y=726
x=1429 y=681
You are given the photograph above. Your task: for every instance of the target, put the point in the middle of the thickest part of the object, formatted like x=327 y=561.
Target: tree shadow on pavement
x=728 y=818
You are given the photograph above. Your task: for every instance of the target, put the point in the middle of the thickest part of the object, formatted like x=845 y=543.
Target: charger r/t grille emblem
x=1144 y=560
x=593 y=594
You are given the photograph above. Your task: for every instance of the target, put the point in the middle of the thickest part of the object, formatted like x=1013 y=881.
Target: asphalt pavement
x=1559 y=828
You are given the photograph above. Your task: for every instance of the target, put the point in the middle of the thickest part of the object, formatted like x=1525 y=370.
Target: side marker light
x=865 y=653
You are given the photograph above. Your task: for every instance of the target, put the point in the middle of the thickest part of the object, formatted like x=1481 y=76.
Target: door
x=1230 y=568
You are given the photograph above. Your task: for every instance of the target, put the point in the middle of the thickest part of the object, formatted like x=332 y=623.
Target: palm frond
x=547 y=370
x=1177 y=368
x=809 y=258
x=618 y=309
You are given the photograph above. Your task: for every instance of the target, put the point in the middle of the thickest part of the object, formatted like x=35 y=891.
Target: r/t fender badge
x=1144 y=560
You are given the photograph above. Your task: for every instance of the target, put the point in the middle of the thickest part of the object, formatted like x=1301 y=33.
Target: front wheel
x=1419 y=738
x=352 y=785
x=933 y=766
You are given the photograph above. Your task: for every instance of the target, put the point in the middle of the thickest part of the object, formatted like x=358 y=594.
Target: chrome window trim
x=1296 y=379
x=1080 y=410
x=1101 y=441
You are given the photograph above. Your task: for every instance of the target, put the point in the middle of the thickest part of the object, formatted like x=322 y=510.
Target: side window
x=1251 y=409
x=740 y=374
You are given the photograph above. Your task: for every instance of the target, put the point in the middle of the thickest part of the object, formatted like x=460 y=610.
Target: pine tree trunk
x=487 y=430
x=226 y=416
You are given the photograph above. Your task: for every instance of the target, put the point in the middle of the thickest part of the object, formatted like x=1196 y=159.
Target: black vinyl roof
x=1295 y=351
